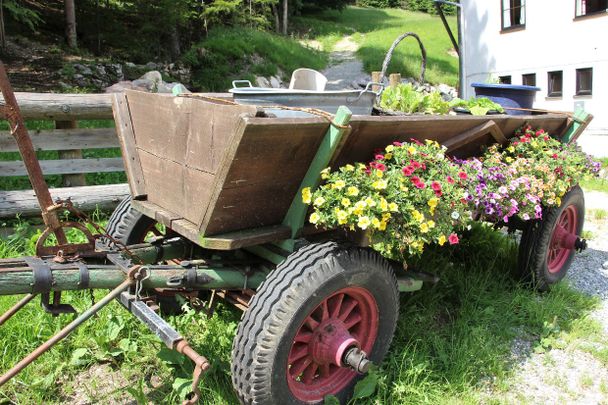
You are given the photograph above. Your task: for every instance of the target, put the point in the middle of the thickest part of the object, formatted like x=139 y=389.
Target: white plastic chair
x=307 y=79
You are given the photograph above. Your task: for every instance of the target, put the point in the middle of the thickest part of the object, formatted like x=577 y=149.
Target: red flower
x=546 y=138
x=450 y=180
x=397 y=143
x=407 y=170
x=379 y=157
x=540 y=132
x=420 y=185
x=554 y=156
x=416 y=141
x=462 y=175
x=436 y=186
x=380 y=167
x=438 y=193
x=415 y=164
x=453 y=239
x=415 y=179
x=515 y=143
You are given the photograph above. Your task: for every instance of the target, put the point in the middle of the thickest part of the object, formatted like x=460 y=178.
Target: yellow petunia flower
x=411 y=150
x=306 y=195
x=352 y=191
x=345 y=202
x=388 y=156
x=349 y=168
x=314 y=218
x=319 y=201
x=442 y=239
x=371 y=202
x=363 y=222
x=424 y=228
x=383 y=204
x=389 y=148
x=379 y=174
x=339 y=185
x=431 y=224
x=418 y=216
x=342 y=217
x=382 y=226
x=393 y=207
x=380 y=184
x=376 y=223
x=386 y=216
x=433 y=202
x=325 y=173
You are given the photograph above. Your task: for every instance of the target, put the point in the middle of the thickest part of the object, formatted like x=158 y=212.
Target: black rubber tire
x=539 y=239
x=127 y=225
x=289 y=293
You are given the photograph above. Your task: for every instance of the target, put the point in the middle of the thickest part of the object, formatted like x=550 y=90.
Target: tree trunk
x=2 y=33
x=175 y=44
x=277 y=19
x=70 y=23
x=285 y=16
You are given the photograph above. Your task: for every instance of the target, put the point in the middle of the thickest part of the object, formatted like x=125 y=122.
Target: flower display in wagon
x=406 y=198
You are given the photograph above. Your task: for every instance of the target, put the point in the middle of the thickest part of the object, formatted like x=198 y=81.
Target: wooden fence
x=65 y=110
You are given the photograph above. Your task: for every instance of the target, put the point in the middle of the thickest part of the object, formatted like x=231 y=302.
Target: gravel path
x=570 y=375
x=344 y=67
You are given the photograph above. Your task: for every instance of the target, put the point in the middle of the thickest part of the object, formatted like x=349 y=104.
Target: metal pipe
x=460 y=48
x=446 y=25
x=65 y=331
x=8 y=314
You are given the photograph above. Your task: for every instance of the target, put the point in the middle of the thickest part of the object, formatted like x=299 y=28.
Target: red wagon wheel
x=320 y=319
x=547 y=249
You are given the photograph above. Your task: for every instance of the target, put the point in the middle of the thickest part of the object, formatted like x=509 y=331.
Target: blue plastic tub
x=508 y=95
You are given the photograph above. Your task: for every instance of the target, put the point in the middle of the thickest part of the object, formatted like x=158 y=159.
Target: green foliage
x=477 y=105
x=379 y=3
x=22 y=14
x=406 y=98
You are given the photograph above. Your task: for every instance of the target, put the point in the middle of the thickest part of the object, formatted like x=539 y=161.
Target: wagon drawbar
x=224 y=180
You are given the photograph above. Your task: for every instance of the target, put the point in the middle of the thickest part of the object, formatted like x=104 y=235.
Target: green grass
x=597 y=184
x=452 y=339
x=242 y=53
x=376 y=29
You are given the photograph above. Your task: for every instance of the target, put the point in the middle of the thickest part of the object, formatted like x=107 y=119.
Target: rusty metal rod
x=28 y=154
x=65 y=331
x=23 y=302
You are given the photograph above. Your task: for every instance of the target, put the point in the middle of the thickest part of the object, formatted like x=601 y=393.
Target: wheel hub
x=563 y=239
x=330 y=347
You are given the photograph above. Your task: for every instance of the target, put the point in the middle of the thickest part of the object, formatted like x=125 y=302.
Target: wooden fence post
x=71 y=180
x=394 y=79
x=376 y=79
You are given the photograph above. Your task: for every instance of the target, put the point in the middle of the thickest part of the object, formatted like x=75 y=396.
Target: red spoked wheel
x=317 y=323
x=346 y=319
x=563 y=239
x=550 y=244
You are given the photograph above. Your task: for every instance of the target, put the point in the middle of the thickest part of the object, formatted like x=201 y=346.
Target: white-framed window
x=513 y=14
x=588 y=7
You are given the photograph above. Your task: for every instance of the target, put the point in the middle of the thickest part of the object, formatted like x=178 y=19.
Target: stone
x=275 y=82
x=144 y=84
x=130 y=65
x=154 y=76
x=262 y=82
x=101 y=70
x=119 y=87
x=151 y=66
x=605 y=265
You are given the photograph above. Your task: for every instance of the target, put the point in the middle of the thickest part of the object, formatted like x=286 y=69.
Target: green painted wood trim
x=266 y=254
x=296 y=215
x=580 y=120
x=409 y=284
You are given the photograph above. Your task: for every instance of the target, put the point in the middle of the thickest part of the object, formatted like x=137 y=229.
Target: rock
x=275 y=82
x=130 y=65
x=151 y=66
x=119 y=87
x=101 y=70
x=605 y=265
x=154 y=76
x=146 y=84
x=262 y=82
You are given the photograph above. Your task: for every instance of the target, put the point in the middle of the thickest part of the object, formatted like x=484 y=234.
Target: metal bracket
x=56 y=308
x=43 y=278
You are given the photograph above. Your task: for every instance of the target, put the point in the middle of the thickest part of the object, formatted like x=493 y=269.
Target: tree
x=70 y=23
x=285 y=16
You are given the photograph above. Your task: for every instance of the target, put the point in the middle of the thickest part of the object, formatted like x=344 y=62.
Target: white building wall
x=551 y=40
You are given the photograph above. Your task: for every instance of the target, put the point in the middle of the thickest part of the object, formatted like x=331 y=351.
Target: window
x=586 y=7
x=504 y=79
x=513 y=14
x=584 y=81
x=555 y=84
x=529 y=79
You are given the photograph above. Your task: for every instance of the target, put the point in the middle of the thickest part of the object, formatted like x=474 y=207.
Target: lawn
x=453 y=341
x=376 y=29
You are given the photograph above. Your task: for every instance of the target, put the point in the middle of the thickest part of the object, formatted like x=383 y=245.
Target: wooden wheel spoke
x=309 y=373
x=352 y=321
x=297 y=354
x=303 y=337
x=325 y=370
x=324 y=311
x=311 y=323
x=348 y=308
x=297 y=368
x=337 y=305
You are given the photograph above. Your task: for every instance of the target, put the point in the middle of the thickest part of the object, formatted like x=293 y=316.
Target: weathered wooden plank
x=73 y=166
x=473 y=135
x=71 y=180
x=126 y=138
x=86 y=198
x=64 y=139
x=247 y=237
x=63 y=107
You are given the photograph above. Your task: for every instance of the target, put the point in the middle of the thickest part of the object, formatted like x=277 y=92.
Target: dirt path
x=574 y=370
x=344 y=67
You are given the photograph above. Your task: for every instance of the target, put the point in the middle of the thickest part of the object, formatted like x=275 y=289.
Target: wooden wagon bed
x=224 y=178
